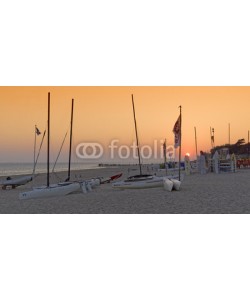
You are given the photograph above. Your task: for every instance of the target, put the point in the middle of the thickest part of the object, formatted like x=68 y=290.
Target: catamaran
x=15 y=182
x=88 y=184
x=143 y=181
x=60 y=189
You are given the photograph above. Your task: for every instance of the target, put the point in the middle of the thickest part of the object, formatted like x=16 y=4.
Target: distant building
x=240 y=149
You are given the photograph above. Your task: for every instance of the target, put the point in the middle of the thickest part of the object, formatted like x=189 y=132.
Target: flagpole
x=196 y=148
x=213 y=138
x=180 y=144
x=229 y=134
x=165 y=155
x=34 y=151
x=248 y=145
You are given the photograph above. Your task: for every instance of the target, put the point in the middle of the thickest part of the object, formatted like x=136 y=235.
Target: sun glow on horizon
x=103 y=114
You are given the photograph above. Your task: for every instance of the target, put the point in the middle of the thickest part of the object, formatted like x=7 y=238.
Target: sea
x=9 y=169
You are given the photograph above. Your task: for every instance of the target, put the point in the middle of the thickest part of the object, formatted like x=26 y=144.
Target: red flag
x=177 y=133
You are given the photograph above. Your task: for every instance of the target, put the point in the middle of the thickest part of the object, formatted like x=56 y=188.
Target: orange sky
x=105 y=113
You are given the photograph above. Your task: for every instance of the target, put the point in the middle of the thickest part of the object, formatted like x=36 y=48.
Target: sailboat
x=83 y=185
x=60 y=189
x=15 y=182
x=141 y=181
x=88 y=184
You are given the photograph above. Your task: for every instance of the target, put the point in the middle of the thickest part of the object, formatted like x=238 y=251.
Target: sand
x=227 y=193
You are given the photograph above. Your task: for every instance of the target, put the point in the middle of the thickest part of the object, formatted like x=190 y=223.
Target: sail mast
x=180 y=146
x=196 y=147
x=34 y=152
x=137 y=140
x=48 y=143
x=165 y=156
x=70 y=144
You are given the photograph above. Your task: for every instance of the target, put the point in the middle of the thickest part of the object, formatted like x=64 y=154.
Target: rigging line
x=59 y=152
x=57 y=176
x=34 y=169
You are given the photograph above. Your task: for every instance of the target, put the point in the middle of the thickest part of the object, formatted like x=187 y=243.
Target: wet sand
x=226 y=193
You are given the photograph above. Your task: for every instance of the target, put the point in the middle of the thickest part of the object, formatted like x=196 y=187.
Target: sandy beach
x=199 y=194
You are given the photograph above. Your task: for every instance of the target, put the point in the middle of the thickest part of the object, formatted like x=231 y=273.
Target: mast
x=248 y=145
x=70 y=144
x=196 y=147
x=180 y=144
x=137 y=140
x=165 y=156
x=48 y=140
x=34 y=152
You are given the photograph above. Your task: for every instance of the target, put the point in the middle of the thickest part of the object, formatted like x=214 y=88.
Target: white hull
x=176 y=184
x=16 y=181
x=168 y=185
x=52 y=191
x=151 y=182
x=103 y=180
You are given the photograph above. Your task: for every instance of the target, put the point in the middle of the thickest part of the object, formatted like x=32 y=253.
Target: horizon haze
x=104 y=114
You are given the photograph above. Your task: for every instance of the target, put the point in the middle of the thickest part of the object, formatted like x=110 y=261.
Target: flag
x=177 y=133
x=164 y=146
x=38 y=132
x=165 y=149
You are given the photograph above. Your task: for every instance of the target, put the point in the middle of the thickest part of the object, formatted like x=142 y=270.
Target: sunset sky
x=105 y=113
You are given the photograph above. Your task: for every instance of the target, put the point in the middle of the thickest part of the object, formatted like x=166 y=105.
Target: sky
x=103 y=114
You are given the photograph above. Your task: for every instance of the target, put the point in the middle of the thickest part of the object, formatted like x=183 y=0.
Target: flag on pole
x=177 y=133
x=38 y=132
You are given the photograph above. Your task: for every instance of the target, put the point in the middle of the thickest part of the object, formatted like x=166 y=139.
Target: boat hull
x=52 y=191
x=153 y=182
x=168 y=185
x=16 y=182
x=150 y=182
x=103 y=180
x=176 y=184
